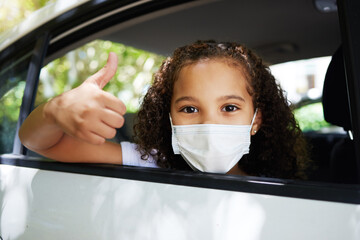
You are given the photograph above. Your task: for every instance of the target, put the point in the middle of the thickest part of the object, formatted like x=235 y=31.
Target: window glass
x=12 y=85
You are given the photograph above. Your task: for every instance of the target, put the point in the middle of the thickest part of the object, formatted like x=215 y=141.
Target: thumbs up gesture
x=87 y=112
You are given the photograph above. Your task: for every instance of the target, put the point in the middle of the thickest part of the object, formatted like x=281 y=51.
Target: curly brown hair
x=277 y=150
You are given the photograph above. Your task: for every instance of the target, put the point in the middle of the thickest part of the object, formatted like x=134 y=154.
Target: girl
x=207 y=104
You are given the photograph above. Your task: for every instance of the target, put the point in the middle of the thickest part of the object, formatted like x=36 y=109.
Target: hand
x=87 y=112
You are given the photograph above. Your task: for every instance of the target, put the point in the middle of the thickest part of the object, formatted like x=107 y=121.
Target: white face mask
x=214 y=148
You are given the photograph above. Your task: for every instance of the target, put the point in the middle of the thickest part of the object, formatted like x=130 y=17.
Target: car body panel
x=41 y=204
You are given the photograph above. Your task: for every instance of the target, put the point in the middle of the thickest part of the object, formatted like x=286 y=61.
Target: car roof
x=279 y=31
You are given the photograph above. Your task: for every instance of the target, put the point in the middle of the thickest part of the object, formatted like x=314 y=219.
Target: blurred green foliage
x=11 y=101
x=133 y=77
x=310 y=117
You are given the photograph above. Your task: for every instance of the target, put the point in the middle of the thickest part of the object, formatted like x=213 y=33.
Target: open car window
x=140 y=53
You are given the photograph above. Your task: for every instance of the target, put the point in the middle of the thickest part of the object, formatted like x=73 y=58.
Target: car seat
x=337 y=112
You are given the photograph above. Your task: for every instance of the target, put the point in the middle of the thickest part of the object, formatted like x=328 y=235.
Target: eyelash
x=232 y=106
x=185 y=109
x=195 y=110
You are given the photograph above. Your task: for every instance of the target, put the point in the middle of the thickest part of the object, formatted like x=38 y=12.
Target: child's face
x=212 y=92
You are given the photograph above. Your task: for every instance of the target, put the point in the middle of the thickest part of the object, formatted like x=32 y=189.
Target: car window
x=302 y=80
x=12 y=82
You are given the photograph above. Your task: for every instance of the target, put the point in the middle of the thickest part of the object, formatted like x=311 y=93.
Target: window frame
x=32 y=80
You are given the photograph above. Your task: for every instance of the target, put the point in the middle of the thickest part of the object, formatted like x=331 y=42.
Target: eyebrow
x=227 y=97
x=186 y=98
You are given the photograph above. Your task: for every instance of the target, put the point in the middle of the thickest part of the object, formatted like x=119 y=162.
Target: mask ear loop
x=253 y=120
x=170 y=120
x=174 y=141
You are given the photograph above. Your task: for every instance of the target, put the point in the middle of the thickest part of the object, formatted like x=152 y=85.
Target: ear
x=257 y=122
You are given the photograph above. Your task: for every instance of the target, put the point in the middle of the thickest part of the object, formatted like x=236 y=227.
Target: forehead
x=222 y=67
x=211 y=78
x=230 y=62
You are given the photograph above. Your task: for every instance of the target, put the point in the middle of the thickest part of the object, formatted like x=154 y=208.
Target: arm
x=74 y=126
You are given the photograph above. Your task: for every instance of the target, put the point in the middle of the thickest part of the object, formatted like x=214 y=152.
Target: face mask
x=214 y=148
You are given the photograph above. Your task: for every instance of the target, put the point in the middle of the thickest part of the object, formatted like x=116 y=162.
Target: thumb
x=103 y=76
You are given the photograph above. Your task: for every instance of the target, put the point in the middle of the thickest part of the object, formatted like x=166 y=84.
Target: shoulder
x=132 y=157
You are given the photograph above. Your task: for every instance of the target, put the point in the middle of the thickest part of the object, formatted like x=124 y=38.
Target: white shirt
x=132 y=157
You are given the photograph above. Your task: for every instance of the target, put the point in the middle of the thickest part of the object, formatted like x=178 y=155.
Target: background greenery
x=310 y=117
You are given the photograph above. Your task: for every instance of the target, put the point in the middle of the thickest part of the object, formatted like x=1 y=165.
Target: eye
x=229 y=108
x=189 y=110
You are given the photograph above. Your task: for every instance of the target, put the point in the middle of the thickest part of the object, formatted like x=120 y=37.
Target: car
x=44 y=199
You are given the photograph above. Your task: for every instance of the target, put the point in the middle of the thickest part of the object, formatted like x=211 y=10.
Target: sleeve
x=132 y=157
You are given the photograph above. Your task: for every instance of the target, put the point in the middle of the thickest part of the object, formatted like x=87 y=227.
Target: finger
x=113 y=103
x=89 y=137
x=103 y=130
x=93 y=138
x=104 y=75
x=112 y=119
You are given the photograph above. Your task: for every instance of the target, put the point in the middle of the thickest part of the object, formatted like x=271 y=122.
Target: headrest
x=335 y=97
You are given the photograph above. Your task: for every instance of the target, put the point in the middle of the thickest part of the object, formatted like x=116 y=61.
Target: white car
x=44 y=199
